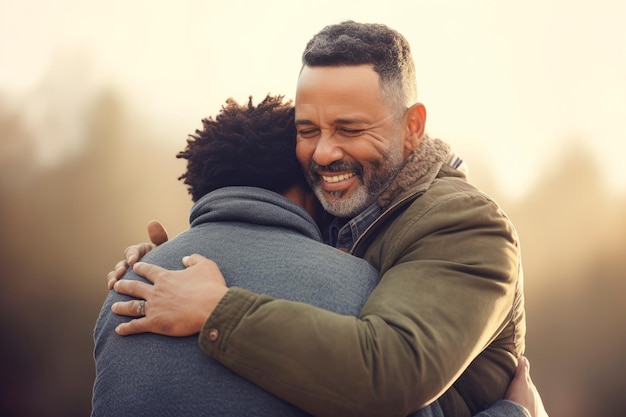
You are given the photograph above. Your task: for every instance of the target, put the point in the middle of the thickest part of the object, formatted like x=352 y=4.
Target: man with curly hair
x=447 y=317
x=249 y=194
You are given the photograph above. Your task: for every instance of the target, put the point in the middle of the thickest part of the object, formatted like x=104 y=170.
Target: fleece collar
x=429 y=153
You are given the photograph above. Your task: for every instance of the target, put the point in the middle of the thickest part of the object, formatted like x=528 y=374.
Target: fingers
x=205 y=268
x=523 y=363
x=133 y=288
x=111 y=280
x=523 y=368
x=132 y=308
x=135 y=326
x=157 y=233
x=195 y=259
x=522 y=390
x=118 y=271
x=149 y=271
x=144 y=321
x=134 y=253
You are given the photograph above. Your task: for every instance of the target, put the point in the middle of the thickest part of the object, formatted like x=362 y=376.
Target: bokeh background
x=97 y=97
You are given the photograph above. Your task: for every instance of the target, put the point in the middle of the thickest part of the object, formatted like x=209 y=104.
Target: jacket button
x=213 y=334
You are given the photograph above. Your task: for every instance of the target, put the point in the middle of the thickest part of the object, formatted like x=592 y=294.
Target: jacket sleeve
x=447 y=282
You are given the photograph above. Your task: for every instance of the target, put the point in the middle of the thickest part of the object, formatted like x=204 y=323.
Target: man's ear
x=415 y=125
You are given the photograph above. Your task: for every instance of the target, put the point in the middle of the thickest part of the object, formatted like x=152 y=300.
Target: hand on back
x=173 y=303
x=157 y=234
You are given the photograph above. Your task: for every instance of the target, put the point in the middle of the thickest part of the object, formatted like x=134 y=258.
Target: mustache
x=337 y=166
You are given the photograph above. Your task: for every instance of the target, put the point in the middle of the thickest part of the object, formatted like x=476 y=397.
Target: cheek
x=371 y=151
x=304 y=151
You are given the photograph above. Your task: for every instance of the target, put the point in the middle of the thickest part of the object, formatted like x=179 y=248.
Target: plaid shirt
x=343 y=233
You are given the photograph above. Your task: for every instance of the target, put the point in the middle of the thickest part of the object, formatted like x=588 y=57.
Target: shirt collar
x=343 y=233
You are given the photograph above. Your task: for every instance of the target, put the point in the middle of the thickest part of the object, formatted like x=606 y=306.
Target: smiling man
x=446 y=319
x=349 y=141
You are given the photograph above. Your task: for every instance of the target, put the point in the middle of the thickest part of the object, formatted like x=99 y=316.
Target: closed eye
x=351 y=132
x=308 y=133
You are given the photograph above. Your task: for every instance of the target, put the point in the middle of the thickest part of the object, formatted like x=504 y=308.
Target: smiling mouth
x=337 y=178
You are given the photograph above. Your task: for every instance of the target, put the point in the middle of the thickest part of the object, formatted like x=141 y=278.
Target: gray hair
x=350 y=43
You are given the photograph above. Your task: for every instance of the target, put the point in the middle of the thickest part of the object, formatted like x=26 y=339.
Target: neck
x=304 y=198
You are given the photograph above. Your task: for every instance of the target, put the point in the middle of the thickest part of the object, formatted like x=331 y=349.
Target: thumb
x=157 y=232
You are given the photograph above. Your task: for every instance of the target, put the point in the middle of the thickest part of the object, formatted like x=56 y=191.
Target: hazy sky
x=514 y=82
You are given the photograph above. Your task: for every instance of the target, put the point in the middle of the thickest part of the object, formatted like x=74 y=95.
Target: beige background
x=97 y=97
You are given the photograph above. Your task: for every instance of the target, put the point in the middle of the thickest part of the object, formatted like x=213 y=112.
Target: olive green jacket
x=446 y=319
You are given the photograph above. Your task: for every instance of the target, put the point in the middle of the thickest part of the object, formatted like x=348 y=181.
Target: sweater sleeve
x=446 y=289
x=504 y=408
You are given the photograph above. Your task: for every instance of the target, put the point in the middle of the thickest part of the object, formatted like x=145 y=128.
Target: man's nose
x=327 y=150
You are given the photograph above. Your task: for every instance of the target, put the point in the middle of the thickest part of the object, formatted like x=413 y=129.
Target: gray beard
x=345 y=208
x=363 y=197
x=366 y=194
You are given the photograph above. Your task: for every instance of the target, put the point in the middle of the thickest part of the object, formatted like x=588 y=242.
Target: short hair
x=244 y=145
x=351 y=43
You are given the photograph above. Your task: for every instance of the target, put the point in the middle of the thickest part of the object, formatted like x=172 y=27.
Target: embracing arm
x=446 y=289
x=181 y=295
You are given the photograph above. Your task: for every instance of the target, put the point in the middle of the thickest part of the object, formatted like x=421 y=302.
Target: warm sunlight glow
x=508 y=84
x=96 y=99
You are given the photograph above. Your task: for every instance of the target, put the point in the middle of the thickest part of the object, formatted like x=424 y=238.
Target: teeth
x=337 y=178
